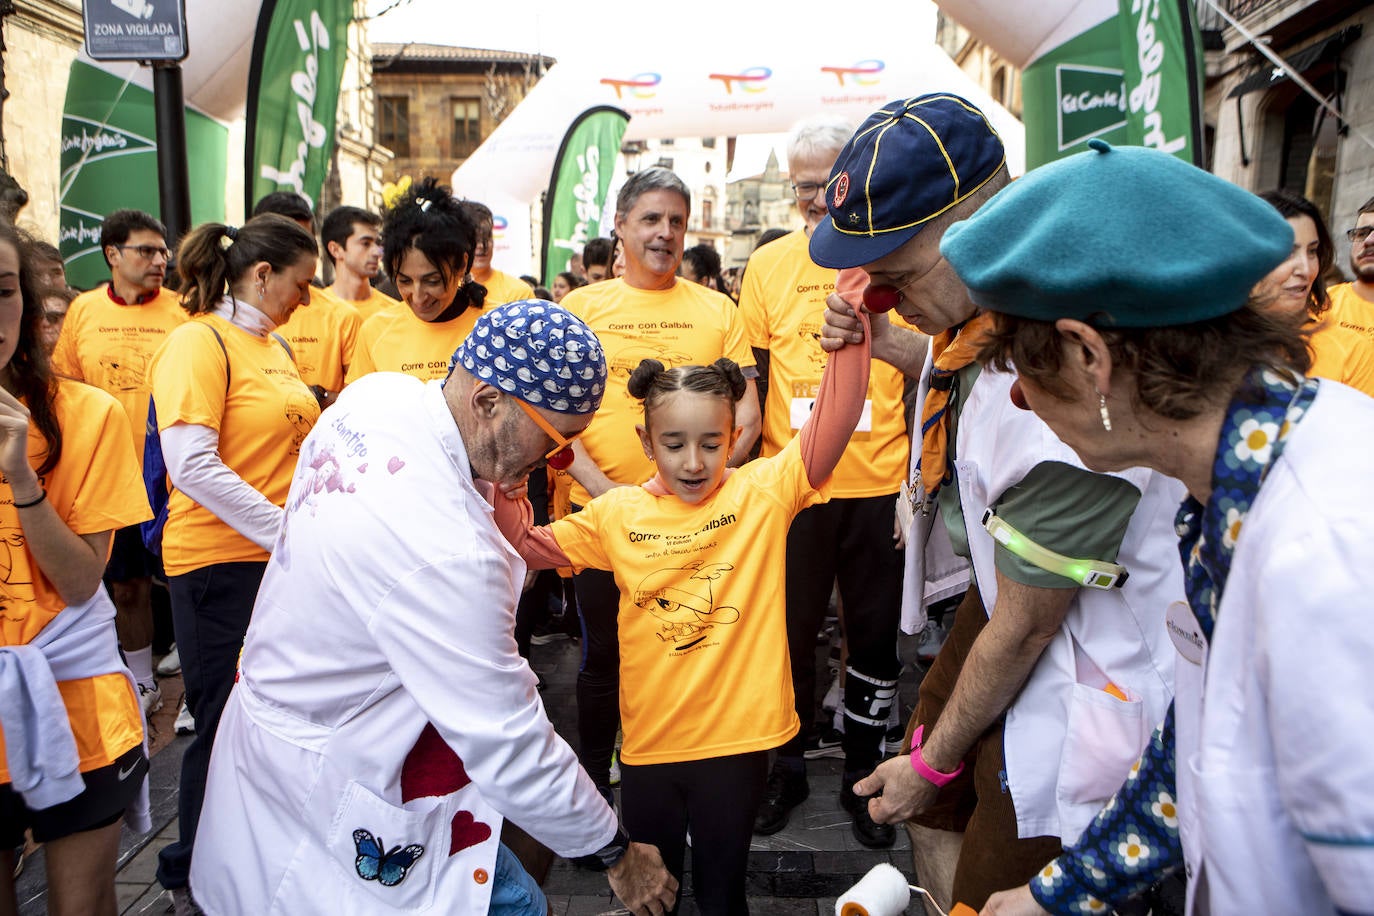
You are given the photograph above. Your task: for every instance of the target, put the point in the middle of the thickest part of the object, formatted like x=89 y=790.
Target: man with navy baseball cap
x=1025 y=717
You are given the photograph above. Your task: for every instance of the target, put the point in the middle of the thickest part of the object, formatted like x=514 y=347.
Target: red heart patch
x=467 y=831
x=431 y=768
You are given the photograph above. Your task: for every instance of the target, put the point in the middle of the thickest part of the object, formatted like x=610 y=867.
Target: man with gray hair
x=649 y=313
x=782 y=302
x=382 y=726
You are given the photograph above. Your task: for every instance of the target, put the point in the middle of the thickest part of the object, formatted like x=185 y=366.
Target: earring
x=1102 y=410
x=262 y=291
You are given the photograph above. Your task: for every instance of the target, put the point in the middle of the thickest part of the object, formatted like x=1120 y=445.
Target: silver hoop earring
x=1102 y=410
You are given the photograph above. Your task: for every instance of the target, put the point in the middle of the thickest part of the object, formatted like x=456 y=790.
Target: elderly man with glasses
x=107 y=339
x=1352 y=304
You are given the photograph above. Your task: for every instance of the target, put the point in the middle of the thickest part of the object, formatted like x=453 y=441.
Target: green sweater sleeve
x=1066 y=509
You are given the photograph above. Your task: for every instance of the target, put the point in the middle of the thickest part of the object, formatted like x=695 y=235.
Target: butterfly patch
x=388 y=868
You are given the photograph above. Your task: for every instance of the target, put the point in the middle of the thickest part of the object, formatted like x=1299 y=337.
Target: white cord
x=922 y=890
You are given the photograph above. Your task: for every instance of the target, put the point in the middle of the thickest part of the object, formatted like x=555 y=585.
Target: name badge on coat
x=1185 y=631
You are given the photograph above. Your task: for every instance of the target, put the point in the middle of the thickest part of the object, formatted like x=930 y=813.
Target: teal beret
x=1125 y=237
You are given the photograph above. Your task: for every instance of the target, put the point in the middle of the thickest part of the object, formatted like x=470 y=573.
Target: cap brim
x=831 y=248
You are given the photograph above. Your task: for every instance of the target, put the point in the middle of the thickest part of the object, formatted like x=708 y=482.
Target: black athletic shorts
x=109 y=791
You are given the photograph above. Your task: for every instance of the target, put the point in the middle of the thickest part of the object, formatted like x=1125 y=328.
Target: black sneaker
x=866 y=830
x=824 y=743
x=785 y=791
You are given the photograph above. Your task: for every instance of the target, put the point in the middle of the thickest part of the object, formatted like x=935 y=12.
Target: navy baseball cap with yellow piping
x=908 y=163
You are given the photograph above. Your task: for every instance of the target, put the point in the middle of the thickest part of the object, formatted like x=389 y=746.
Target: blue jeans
x=514 y=892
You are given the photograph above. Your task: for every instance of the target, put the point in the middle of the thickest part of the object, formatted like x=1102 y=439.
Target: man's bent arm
x=1024 y=621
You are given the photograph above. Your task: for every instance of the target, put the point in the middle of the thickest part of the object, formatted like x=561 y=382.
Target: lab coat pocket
x=1104 y=738
x=388 y=852
x=1245 y=832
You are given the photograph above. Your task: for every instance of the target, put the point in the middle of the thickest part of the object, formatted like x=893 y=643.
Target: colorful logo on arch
x=754 y=79
x=639 y=86
x=861 y=73
x=498 y=226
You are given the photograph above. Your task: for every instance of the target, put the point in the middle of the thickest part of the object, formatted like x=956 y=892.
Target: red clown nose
x=881 y=297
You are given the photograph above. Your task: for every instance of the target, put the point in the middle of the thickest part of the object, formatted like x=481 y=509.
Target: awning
x=1329 y=48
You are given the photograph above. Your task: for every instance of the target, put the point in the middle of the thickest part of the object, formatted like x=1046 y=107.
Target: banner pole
x=173 y=175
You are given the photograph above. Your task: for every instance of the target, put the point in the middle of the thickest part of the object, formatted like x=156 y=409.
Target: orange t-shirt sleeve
x=65 y=360
x=361 y=363
x=108 y=488
x=736 y=347
x=190 y=378
x=578 y=535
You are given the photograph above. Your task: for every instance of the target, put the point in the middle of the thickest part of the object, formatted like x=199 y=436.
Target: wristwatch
x=608 y=856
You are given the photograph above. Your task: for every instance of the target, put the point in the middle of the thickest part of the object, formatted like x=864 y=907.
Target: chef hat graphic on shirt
x=538 y=352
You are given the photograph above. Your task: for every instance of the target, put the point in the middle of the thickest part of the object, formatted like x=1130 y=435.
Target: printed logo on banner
x=498 y=226
x=640 y=86
x=861 y=73
x=753 y=79
x=1091 y=102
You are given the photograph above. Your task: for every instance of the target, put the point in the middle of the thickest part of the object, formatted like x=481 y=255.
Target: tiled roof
x=417 y=52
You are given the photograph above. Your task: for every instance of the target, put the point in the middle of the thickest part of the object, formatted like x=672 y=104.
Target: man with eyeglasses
x=1352 y=304
x=109 y=335
x=850 y=538
x=383 y=727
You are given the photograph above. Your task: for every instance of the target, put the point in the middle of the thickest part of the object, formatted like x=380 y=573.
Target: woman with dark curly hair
x=428 y=241
x=1159 y=353
x=73 y=757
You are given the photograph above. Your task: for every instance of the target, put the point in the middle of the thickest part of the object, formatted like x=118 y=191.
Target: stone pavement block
x=596 y=906
x=142 y=868
x=154 y=902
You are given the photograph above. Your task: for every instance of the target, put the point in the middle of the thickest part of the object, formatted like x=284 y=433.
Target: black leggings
x=598 y=680
x=716 y=799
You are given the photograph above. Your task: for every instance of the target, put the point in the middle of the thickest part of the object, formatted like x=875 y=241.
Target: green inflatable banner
x=109 y=162
x=293 y=96
x=581 y=179
x=1134 y=78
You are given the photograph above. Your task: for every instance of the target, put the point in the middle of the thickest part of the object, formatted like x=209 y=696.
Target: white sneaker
x=170 y=664
x=186 y=723
x=149 y=698
x=931 y=642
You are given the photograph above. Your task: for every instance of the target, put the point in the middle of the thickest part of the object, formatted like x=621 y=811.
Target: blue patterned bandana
x=538 y=352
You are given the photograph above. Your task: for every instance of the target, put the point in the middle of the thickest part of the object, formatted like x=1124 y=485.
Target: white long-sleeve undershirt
x=196 y=469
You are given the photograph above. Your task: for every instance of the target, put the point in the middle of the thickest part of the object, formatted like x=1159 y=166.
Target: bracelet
x=925 y=770
x=42 y=495
x=608 y=856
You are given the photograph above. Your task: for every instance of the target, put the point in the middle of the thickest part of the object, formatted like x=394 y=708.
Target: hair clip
x=423 y=203
x=231 y=235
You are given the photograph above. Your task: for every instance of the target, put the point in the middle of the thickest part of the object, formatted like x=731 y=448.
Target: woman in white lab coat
x=1160 y=355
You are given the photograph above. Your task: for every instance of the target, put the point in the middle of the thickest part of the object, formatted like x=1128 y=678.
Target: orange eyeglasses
x=560 y=457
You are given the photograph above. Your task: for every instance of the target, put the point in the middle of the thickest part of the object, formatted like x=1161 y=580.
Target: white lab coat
x=388 y=604
x=1068 y=743
x=1276 y=807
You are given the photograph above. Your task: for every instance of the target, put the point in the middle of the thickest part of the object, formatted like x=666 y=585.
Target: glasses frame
x=1366 y=231
x=819 y=189
x=141 y=249
x=562 y=441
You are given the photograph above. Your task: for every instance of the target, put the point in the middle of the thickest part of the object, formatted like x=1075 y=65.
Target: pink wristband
x=925 y=770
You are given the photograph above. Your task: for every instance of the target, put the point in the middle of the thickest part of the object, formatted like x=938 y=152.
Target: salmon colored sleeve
x=535 y=543
x=844 y=387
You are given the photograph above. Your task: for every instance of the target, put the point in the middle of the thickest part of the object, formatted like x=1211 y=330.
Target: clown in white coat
x=383 y=725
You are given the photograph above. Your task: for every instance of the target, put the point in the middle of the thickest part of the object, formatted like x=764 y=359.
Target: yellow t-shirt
x=781 y=303
x=323 y=336
x=109 y=345
x=377 y=301
x=261 y=422
x=1343 y=355
x=96 y=486
x=704 y=669
x=1351 y=310
x=397 y=341
x=685 y=325
x=503 y=288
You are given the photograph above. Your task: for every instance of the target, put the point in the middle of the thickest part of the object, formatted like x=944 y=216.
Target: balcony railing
x=1240 y=9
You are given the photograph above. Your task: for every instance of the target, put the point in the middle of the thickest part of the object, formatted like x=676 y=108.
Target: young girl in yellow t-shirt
x=698 y=556
x=71 y=751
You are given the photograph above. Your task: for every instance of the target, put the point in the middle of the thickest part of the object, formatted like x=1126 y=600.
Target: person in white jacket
x=1168 y=356
x=383 y=725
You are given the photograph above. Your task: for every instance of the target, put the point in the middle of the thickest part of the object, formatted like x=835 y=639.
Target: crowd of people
x=947 y=394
